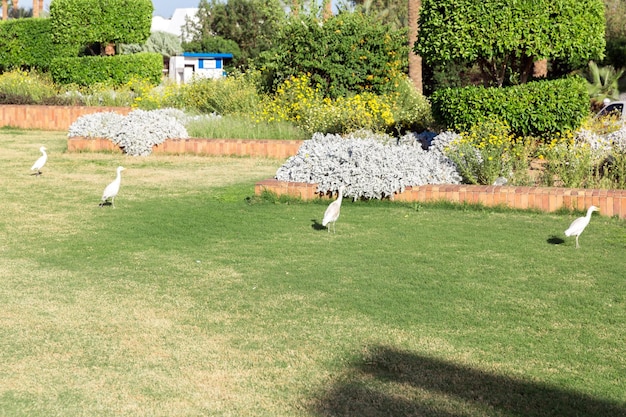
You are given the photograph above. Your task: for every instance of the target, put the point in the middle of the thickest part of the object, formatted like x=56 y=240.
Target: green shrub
x=110 y=70
x=533 y=109
x=347 y=53
x=28 y=44
x=297 y=101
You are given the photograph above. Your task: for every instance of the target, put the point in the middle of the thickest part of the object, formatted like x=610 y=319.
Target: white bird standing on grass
x=112 y=189
x=578 y=225
x=39 y=163
x=332 y=212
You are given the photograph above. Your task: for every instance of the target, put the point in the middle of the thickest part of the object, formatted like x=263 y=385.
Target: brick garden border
x=278 y=149
x=610 y=202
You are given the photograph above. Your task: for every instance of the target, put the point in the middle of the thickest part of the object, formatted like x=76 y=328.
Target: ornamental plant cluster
x=302 y=103
x=135 y=133
x=593 y=156
x=369 y=167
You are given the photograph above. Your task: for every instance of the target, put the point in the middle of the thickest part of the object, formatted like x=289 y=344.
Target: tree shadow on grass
x=390 y=382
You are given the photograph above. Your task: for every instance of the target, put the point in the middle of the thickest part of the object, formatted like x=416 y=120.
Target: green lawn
x=194 y=298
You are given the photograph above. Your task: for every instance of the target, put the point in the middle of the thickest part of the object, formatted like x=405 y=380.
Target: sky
x=163 y=8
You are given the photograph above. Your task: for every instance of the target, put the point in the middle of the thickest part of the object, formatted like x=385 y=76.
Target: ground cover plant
x=194 y=297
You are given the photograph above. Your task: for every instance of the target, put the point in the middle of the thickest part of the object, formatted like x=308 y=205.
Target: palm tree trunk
x=35 y=8
x=5 y=9
x=415 y=61
x=328 y=9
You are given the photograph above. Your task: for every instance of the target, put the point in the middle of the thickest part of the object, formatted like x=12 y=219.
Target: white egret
x=39 y=163
x=332 y=212
x=112 y=189
x=578 y=225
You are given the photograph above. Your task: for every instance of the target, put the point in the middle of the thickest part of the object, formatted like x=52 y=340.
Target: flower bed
x=610 y=202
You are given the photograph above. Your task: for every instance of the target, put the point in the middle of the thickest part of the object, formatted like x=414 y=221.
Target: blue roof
x=207 y=55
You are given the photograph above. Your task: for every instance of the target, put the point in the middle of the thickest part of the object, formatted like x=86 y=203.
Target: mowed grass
x=195 y=298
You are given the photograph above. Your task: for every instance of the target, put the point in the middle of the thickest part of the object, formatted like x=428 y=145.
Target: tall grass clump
x=411 y=109
x=235 y=94
x=241 y=127
x=147 y=96
x=24 y=87
x=568 y=162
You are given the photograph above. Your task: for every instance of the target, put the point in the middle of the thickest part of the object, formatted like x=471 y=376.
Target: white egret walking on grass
x=112 y=189
x=332 y=212
x=39 y=163
x=578 y=225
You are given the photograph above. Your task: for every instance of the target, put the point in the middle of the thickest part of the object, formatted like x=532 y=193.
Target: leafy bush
x=109 y=70
x=27 y=43
x=297 y=101
x=347 y=53
x=534 y=109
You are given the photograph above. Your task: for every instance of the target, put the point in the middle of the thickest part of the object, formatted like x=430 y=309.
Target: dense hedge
x=535 y=108
x=84 y=22
x=28 y=44
x=112 y=70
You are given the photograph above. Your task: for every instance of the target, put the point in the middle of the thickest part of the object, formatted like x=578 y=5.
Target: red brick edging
x=610 y=202
x=279 y=149
x=49 y=117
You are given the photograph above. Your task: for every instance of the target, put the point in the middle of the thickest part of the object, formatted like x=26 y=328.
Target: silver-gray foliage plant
x=368 y=167
x=137 y=132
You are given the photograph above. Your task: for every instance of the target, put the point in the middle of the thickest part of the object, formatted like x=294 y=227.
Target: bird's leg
x=113 y=201
x=577 y=246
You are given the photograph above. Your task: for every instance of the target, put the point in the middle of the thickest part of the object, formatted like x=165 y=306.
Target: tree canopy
x=251 y=24
x=505 y=37
x=349 y=52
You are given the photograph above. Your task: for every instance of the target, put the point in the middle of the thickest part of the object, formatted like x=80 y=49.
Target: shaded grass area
x=194 y=298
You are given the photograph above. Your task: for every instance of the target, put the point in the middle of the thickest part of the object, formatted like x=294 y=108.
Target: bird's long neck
x=340 y=195
x=589 y=212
